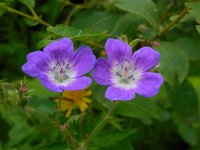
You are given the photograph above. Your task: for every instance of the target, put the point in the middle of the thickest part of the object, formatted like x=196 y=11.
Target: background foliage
x=170 y=120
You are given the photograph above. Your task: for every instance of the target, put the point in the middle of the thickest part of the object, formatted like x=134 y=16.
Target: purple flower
x=127 y=74
x=59 y=68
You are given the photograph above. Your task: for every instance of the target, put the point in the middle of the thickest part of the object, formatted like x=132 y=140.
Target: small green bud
x=22 y=102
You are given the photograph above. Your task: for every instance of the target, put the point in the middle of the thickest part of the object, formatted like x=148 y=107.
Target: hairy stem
x=98 y=128
x=171 y=24
x=92 y=44
x=58 y=107
x=32 y=11
x=35 y=17
x=41 y=115
x=71 y=142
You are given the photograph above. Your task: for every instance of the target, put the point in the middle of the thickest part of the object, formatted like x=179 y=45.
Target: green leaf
x=198 y=28
x=112 y=138
x=184 y=100
x=138 y=108
x=135 y=42
x=2 y=12
x=2 y=4
x=188 y=134
x=99 y=95
x=88 y=20
x=30 y=22
x=38 y=90
x=195 y=81
x=30 y=3
x=143 y=8
x=54 y=146
x=195 y=9
x=44 y=42
x=174 y=65
x=74 y=33
x=127 y=24
x=125 y=144
x=115 y=122
x=189 y=46
x=20 y=130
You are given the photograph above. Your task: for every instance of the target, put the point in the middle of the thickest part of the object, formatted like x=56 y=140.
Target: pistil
x=60 y=71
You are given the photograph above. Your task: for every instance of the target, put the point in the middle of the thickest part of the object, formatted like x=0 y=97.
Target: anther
x=130 y=76
x=61 y=70
x=118 y=74
x=56 y=76
x=66 y=76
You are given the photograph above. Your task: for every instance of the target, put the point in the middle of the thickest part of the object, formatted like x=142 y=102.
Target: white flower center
x=125 y=75
x=61 y=71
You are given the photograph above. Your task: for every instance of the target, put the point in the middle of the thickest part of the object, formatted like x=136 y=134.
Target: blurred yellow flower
x=102 y=53
x=71 y=99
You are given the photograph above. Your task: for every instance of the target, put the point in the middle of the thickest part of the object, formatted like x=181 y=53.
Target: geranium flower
x=127 y=74
x=60 y=68
x=72 y=99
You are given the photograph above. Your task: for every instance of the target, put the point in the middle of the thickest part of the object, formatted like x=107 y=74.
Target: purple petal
x=60 y=50
x=116 y=93
x=78 y=84
x=145 y=58
x=101 y=72
x=37 y=64
x=117 y=50
x=83 y=60
x=50 y=85
x=149 y=84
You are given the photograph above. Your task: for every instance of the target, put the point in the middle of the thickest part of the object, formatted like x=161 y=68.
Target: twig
x=71 y=142
x=171 y=24
x=41 y=115
x=34 y=18
x=58 y=107
x=92 y=44
x=99 y=126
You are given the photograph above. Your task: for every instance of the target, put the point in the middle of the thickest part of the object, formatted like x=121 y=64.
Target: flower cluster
x=59 y=68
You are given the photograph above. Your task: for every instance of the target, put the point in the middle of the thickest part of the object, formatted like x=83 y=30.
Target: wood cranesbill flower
x=60 y=68
x=127 y=74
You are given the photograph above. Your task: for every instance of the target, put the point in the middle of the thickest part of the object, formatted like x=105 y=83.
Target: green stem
x=73 y=11
x=58 y=107
x=70 y=141
x=60 y=98
x=34 y=18
x=68 y=136
x=41 y=115
x=32 y=11
x=92 y=44
x=171 y=24
x=99 y=126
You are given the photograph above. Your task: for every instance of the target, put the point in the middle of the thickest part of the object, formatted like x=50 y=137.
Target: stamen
x=67 y=67
x=66 y=76
x=130 y=76
x=56 y=76
x=60 y=71
x=118 y=74
x=125 y=72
